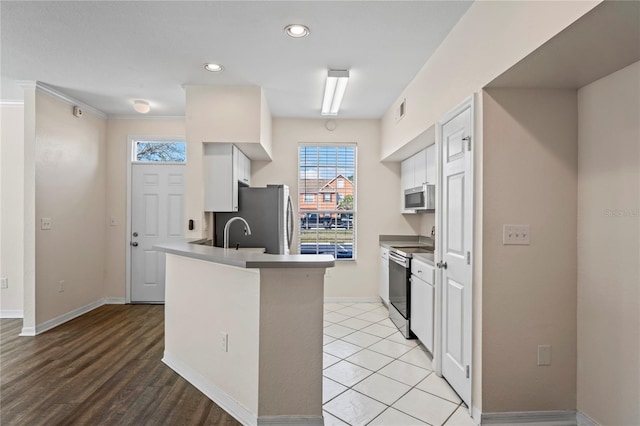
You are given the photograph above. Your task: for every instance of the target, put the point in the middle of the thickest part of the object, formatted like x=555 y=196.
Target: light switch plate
x=515 y=235
x=544 y=354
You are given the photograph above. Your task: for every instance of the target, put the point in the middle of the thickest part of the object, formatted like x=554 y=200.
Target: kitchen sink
x=209 y=243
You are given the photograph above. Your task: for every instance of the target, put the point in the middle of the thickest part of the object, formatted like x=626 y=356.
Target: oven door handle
x=400 y=260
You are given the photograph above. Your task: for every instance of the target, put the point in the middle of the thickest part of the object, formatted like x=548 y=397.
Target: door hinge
x=468 y=258
x=467 y=371
x=468 y=139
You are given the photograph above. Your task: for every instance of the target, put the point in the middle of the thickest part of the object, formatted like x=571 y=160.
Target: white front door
x=157 y=216
x=455 y=242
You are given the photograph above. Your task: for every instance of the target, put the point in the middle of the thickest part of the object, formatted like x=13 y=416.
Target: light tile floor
x=374 y=376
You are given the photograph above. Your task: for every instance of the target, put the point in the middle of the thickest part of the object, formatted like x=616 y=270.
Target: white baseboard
x=48 y=325
x=217 y=395
x=28 y=331
x=352 y=300
x=584 y=420
x=531 y=418
x=11 y=313
x=290 y=420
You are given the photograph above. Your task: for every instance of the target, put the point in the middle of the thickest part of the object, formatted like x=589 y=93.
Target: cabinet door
x=431 y=164
x=384 y=275
x=220 y=184
x=422 y=311
x=420 y=168
x=247 y=170
x=406 y=174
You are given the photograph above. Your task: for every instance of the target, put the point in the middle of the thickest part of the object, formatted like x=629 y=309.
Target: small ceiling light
x=334 y=91
x=142 y=107
x=296 y=30
x=213 y=67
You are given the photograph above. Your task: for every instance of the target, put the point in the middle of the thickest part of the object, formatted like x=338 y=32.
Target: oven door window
x=398 y=288
x=415 y=200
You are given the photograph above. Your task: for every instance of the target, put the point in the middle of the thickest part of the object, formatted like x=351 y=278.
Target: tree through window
x=160 y=152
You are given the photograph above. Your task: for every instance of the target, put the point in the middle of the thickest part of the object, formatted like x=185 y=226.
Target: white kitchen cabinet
x=420 y=168
x=243 y=166
x=430 y=163
x=224 y=166
x=422 y=298
x=384 y=275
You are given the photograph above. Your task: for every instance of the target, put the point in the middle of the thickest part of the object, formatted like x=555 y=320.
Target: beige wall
x=70 y=189
x=491 y=37
x=118 y=132
x=609 y=248
x=529 y=292
x=12 y=209
x=378 y=203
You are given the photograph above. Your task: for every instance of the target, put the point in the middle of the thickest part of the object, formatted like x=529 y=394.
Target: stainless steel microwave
x=420 y=198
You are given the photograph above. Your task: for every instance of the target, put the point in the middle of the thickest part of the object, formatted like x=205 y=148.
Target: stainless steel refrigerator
x=269 y=213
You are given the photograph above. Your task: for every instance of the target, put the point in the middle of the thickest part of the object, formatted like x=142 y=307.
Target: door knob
x=135 y=234
x=442 y=265
x=134 y=243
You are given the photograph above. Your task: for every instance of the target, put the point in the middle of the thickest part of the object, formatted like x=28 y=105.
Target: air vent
x=402 y=109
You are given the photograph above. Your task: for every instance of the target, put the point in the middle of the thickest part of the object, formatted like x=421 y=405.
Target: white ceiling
x=108 y=53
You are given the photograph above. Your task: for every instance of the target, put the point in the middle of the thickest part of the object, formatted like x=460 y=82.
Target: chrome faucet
x=247 y=229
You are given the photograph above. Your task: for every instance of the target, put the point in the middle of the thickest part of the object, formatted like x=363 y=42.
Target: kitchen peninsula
x=246 y=329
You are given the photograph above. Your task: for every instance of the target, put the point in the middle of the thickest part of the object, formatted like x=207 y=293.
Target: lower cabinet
x=422 y=306
x=384 y=275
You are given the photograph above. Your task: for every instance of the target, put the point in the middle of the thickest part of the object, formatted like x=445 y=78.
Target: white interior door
x=157 y=216
x=455 y=242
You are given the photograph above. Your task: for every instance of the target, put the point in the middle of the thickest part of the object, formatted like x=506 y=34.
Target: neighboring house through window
x=327 y=221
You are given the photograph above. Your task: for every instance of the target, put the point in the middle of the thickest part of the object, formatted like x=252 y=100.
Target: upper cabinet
x=229 y=114
x=417 y=170
x=225 y=169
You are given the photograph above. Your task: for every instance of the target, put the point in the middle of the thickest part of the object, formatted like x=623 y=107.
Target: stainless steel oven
x=400 y=287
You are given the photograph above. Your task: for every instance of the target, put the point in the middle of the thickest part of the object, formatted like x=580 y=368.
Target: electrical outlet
x=515 y=235
x=45 y=223
x=544 y=354
x=61 y=286
x=224 y=341
x=4 y=283
x=113 y=221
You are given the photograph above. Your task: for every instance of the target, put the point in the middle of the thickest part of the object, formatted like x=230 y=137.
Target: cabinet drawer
x=423 y=271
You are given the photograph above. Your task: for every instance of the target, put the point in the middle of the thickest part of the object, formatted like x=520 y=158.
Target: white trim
x=531 y=418
x=145 y=117
x=375 y=299
x=584 y=420
x=476 y=414
x=28 y=332
x=44 y=88
x=11 y=102
x=291 y=420
x=48 y=325
x=211 y=391
x=11 y=313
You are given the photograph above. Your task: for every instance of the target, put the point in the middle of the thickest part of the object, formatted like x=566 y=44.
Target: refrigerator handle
x=289 y=222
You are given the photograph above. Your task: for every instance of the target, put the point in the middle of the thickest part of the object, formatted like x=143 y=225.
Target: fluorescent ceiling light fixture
x=296 y=30
x=213 y=67
x=334 y=91
x=142 y=107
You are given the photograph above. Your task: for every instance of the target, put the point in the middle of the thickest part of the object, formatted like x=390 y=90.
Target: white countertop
x=246 y=258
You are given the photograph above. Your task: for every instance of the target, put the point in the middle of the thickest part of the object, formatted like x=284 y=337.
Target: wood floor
x=103 y=368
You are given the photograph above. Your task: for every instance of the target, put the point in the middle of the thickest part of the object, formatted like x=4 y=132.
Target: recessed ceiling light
x=141 y=106
x=296 y=30
x=213 y=67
